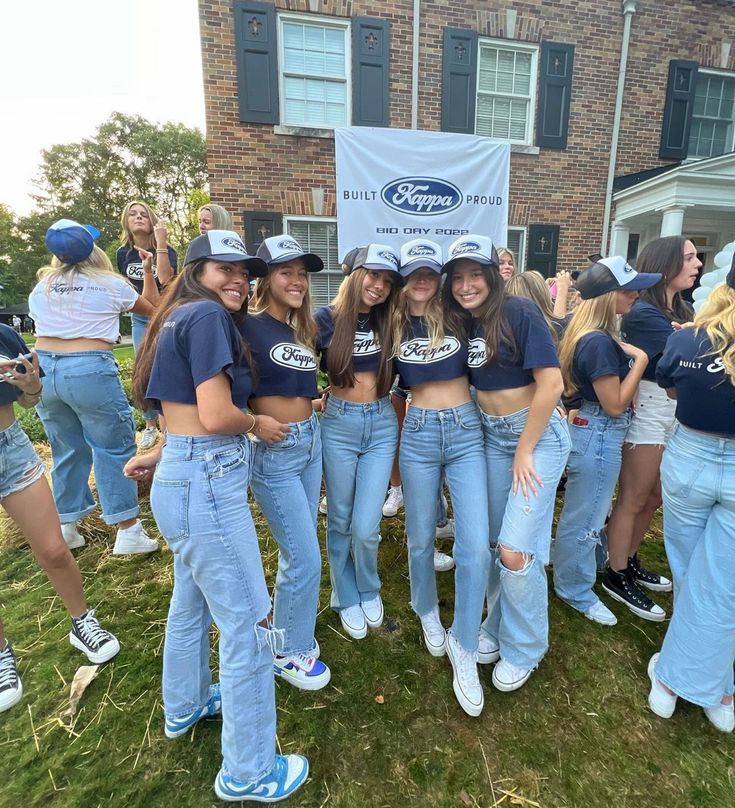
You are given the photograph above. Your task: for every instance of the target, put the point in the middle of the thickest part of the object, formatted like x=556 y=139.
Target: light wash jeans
x=198 y=500
x=20 y=466
x=517 y=602
x=698 y=484
x=139 y=323
x=89 y=422
x=592 y=473
x=359 y=444
x=449 y=442
x=286 y=481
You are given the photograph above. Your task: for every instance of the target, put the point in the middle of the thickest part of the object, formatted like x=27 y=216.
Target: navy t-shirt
x=419 y=363
x=10 y=346
x=285 y=368
x=196 y=342
x=130 y=265
x=366 y=350
x=647 y=327
x=534 y=349
x=597 y=355
x=705 y=396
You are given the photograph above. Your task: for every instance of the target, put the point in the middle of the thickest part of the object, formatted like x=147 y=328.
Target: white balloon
x=724 y=258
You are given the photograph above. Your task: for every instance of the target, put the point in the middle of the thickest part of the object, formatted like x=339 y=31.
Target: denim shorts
x=20 y=466
x=653 y=416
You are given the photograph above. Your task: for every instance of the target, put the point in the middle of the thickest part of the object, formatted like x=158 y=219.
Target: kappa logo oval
x=477 y=352
x=421 y=250
x=234 y=244
x=422 y=196
x=295 y=357
x=287 y=244
x=390 y=257
x=418 y=351
x=466 y=247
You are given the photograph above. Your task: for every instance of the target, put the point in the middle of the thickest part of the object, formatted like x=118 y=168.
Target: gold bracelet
x=253 y=426
x=161 y=251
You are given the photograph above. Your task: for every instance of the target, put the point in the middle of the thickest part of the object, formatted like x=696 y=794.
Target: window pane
x=505 y=84
x=713 y=116
x=313 y=50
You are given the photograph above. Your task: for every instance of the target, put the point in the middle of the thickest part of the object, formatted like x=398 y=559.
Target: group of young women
x=486 y=371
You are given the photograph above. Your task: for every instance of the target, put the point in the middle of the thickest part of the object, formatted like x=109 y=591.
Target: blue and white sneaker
x=302 y=670
x=174 y=727
x=288 y=773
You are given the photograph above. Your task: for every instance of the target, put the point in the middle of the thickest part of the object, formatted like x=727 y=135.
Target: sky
x=65 y=65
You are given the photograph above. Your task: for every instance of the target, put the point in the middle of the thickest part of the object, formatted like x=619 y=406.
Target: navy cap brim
x=312 y=262
x=399 y=279
x=256 y=267
x=643 y=280
x=449 y=266
x=409 y=269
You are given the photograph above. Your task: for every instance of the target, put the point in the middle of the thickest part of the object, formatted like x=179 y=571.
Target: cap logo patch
x=421 y=250
x=466 y=247
x=390 y=257
x=234 y=244
x=422 y=196
x=286 y=244
x=628 y=268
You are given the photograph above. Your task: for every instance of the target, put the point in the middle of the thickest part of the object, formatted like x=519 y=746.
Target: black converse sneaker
x=651 y=580
x=89 y=637
x=622 y=587
x=11 y=688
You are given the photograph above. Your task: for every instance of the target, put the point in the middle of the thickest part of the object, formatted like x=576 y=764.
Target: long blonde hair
x=433 y=317
x=597 y=314
x=301 y=319
x=221 y=219
x=717 y=318
x=126 y=234
x=531 y=284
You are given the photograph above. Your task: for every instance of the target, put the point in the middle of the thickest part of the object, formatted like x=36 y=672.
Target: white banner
x=394 y=185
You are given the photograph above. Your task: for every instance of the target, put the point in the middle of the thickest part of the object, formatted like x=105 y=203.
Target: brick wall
x=252 y=168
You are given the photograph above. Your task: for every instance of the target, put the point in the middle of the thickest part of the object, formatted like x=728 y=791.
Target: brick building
x=620 y=115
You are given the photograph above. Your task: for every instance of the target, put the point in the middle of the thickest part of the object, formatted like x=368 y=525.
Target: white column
x=619 y=238
x=672 y=222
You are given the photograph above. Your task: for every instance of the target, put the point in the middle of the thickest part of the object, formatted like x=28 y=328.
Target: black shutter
x=543 y=243
x=459 y=80
x=555 y=90
x=370 y=66
x=260 y=225
x=257 y=61
x=678 y=109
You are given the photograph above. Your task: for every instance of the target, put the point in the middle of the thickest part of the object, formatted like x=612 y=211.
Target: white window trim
x=520 y=256
x=727 y=74
x=294 y=217
x=326 y=22
x=507 y=44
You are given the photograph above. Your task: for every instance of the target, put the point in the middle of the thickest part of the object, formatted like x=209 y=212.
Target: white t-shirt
x=81 y=306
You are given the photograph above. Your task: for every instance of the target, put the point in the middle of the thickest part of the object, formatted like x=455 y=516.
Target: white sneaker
x=353 y=621
x=660 y=700
x=435 y=636
x=373 y=611
x=149 y=437
x=507 y=677
x=466 y=682
x=11 y=688
x=443 y=562
x=599 y=613
x=134 y=539
x=488 y=650
x=72 y=536
x=394 y=501
x=445 y=531
x=721 y=717
x=323 y=506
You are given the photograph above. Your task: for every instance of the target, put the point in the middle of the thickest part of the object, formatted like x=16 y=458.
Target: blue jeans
x=286 y=481
x=698 y=485
x=20 y=466
x=198 y=500
x=449 y=442
x=517 y=601
x=89 y=422
x=359 y=444
x=592 y=472
x=139 y=324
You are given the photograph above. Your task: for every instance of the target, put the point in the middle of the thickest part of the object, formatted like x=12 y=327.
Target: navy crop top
x=285 y=368
x=130 y=265
x=196 y=342
x=366 y=350
x=418 y=363
x=534 y=348
x=10 y=346
x=597 y=355
x=648 y=328
x=705 y=396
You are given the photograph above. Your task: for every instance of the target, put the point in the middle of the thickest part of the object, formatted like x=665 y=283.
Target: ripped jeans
x=593 y=469
x=199 y=501
x=517 y=601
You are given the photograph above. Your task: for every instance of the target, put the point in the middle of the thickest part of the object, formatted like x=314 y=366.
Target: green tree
x=21 y=254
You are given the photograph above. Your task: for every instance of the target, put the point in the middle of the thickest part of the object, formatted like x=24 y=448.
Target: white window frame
x=727 y=74
x=505 y=44
x=322 y=22
x=520 y=255
x=288 y=218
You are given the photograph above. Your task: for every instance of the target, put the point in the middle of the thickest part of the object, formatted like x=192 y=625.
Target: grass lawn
x=386 y=732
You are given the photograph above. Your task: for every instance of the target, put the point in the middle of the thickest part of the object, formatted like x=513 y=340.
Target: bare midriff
x=441 y=395
x=505 y=402
x=283 y=408
x=362 y=392
x=182 y=419
x=58 y=345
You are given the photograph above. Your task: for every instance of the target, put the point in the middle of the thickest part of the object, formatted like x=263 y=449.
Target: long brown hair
x=186 y=287
x=665 y=255
x=346 y=304
x=492 y=315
